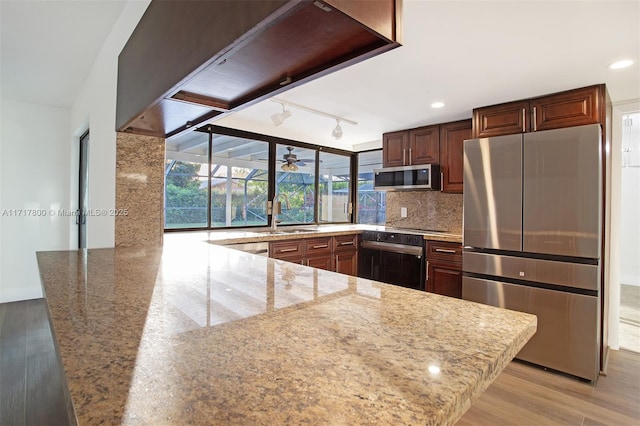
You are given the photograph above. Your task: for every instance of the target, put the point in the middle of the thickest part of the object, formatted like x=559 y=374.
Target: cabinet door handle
x=321 y=246
x=409 y=156
x=524 y=120
x=535 y=124
x=288 y=250
x=441 y=181
x=427 y=266
x=404 y=156
x=439 y=250
x=348 y=243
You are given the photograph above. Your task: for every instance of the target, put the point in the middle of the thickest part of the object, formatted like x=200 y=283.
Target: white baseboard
x=630 y=280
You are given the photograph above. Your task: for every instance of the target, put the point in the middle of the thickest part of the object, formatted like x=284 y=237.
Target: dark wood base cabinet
x=345 y=254
x=444 y=268
x=339 y=253
x=445 y=281
x=347 y=262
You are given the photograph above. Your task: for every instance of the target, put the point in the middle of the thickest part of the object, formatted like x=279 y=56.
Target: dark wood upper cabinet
x=191 y=61
x=571 y=108
x=424 y=145
x=452 y=136
x=575 y=107
x=394 y=148
x=436 y=144
x=502 y=119
x=411 y=147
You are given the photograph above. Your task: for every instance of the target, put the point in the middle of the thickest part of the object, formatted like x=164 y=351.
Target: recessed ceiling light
x=621 y=64
x=437 y=105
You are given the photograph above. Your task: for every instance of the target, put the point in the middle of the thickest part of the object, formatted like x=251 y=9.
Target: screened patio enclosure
x=229 y=186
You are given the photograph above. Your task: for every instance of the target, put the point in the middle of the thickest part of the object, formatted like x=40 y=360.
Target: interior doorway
x=629 y=242
x=83 y=190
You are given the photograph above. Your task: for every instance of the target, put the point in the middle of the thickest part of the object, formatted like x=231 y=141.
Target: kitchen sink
x=287 y=231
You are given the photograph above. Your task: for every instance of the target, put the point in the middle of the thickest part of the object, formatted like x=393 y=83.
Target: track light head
x=279 y=117
x=337 y=131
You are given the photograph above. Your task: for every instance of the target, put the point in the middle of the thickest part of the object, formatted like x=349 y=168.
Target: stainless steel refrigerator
x=532 y=238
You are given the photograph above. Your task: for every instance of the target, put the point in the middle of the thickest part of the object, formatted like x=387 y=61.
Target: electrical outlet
x=403 y=212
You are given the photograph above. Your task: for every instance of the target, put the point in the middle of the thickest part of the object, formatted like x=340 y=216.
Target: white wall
x=95 y=109
x=629 y=216
x=617 y=231
x=39 y=164
x=34 y=174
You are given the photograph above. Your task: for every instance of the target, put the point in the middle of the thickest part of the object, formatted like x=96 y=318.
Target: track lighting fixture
x=279 y=118
x=337 y=131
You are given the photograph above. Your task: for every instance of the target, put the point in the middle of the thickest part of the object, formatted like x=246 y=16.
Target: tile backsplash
x=427 y=210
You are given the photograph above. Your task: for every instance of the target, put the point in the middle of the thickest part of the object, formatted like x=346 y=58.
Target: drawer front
x=286 y=248
x=442 y=252
x=345 y=242
x=315 y=246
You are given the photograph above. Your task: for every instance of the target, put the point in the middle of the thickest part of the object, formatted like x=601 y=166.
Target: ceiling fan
x=291 y=162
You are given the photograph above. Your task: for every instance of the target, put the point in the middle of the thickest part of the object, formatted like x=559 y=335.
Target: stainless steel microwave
x=425 y=176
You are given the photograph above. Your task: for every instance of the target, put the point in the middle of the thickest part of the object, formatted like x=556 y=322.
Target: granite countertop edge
x=248 y=235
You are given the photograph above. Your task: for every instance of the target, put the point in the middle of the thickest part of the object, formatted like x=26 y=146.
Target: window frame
x=356 y=195
x=273 y=142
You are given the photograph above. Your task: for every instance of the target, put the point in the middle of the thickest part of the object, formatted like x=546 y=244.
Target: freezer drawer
x=567 y=274
x=568 y=335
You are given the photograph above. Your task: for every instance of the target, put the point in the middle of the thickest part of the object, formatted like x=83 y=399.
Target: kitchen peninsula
x=196 y=333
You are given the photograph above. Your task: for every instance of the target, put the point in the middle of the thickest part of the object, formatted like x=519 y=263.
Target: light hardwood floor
x=527 y=396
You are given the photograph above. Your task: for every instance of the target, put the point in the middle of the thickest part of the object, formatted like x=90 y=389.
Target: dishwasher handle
x=393 y=248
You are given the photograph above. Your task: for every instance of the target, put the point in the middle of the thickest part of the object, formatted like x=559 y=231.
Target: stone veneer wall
x=139 y=190
x=428 y=210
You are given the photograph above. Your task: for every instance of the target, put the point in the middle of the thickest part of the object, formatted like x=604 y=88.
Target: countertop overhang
x=200 y=334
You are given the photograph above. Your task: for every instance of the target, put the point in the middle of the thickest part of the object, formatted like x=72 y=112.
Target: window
x=239 y=181
x=371 y=203
x=334 y=190
x=295 y=178
x=220 y=178
x=186 y=186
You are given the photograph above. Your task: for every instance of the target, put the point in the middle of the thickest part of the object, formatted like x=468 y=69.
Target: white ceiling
x=464 y=53
x=48 y=47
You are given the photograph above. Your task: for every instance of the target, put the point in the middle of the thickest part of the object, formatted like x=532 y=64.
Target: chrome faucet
x=275 y=210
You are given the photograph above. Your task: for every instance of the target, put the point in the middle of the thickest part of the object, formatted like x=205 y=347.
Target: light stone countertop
x=196 y=333
x=248 y=235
